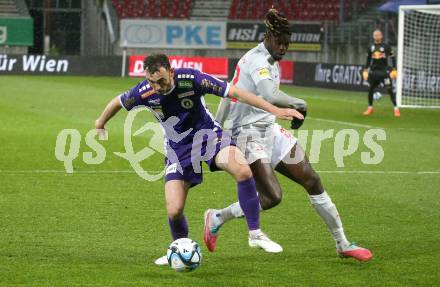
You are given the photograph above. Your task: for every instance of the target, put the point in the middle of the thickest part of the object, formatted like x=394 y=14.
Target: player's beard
x=277 y=56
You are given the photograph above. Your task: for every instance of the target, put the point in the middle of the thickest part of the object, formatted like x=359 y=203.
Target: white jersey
x=253 y=67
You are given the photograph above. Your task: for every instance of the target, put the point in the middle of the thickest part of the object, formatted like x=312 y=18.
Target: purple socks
x=178 y=227
x=249 y=202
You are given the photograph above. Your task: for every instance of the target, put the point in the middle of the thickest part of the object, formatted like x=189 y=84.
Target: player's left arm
x=392 y=57
x=211 y=85
x=275 y=96
x=258 y=102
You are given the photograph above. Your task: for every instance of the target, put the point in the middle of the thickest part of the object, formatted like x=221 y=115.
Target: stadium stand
x=8 y=8
x=210 y=9
x=171 y=9
x=311 y=10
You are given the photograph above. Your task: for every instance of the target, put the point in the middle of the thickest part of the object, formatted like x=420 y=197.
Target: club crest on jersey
x=187 y=104
x=381 y=49
x=185 y=84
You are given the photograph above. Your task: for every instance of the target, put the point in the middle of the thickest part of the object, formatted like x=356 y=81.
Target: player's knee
x=313 y=183
x=243 y=172
x=275 y=199
x=174 y=212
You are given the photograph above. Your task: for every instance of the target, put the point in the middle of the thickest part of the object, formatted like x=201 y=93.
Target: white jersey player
x=268 y=146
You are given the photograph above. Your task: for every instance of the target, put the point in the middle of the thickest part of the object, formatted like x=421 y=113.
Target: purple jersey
x=185 y=101
x=185 y=106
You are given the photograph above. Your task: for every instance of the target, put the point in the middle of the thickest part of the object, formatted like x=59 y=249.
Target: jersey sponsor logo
x=147 y=94
x=207 y=84
x=185 y=84
x=264 y=72
x=154 y=102
x=186 y=94
x=187 y=104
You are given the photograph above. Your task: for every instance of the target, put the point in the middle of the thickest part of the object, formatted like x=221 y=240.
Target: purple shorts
x=184 y=161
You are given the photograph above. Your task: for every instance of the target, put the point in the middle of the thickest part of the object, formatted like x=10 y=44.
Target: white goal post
x=418 y=57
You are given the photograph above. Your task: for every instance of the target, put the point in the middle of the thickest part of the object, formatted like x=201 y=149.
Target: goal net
x=418 y=63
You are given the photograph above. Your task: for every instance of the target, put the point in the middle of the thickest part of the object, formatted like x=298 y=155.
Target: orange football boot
x=369 y=111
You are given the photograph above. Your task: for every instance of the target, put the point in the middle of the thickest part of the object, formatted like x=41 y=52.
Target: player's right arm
x=367 y=65
x=368 y=62
x=128 y=100
x=109 y=111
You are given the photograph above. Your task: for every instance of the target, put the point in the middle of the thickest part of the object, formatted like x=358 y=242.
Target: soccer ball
x=184 y=255
x=377 y=96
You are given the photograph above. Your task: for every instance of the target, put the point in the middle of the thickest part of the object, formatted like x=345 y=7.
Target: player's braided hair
x=276 y=24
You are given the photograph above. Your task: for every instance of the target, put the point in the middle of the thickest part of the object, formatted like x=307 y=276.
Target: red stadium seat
x=152 y=8
x=311 y=10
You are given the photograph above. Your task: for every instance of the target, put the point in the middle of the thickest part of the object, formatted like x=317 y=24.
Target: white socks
x=328 y=212
x=232 y=211
x=322 y=204
x=254 y=233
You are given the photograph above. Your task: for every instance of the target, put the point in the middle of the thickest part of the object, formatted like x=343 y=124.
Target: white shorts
x=270 y=143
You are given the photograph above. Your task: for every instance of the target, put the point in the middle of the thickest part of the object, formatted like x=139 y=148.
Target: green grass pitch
x=97 y=227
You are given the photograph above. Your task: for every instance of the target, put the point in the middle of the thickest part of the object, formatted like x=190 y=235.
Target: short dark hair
x=154 y=62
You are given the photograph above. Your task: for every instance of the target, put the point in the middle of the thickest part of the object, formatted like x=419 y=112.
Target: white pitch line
x=37 y=171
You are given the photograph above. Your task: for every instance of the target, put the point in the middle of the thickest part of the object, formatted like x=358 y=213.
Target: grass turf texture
x=105 y=229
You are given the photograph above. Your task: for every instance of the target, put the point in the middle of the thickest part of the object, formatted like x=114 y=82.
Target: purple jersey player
x=176 y=97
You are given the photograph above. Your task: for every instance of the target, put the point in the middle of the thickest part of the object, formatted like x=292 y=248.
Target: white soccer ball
x=377 y=96
x=184 y=255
